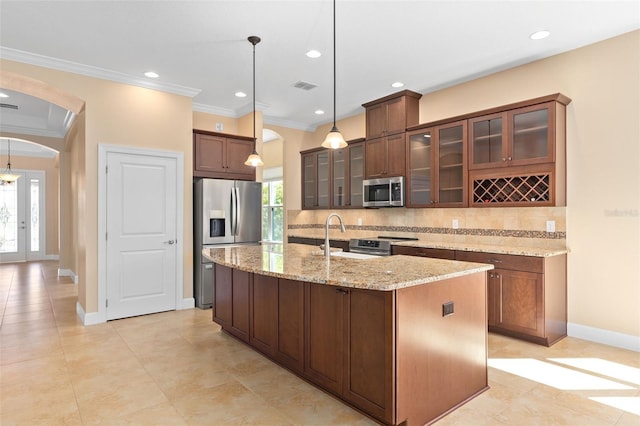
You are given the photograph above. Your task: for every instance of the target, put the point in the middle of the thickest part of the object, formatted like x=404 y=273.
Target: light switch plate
x=219 y=127
x=454 y=224
x=551 y=226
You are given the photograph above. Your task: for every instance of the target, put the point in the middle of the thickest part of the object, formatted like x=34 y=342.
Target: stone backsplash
x=521 y=225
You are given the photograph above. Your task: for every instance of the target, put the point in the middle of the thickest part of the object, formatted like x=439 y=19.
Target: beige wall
x=603 y=163
x=117 y=114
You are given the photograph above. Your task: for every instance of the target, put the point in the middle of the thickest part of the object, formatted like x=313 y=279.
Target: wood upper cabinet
x=517 y=137
x=385 y=157
x=526 y=295
x=347 y=172
x=315 y=179
x=437 y=172
x=217 y=155
x=392 y=114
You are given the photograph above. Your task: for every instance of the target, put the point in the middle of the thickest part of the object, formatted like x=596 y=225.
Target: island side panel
x=441 y=359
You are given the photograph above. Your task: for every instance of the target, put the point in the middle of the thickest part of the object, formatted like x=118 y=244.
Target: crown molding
x=91 y=71
x=18 y=130
x=210 y=109
x=287 y=123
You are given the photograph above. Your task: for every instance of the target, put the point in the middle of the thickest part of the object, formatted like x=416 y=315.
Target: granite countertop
x=535 y=248
x=487 y=248
x=306 y=263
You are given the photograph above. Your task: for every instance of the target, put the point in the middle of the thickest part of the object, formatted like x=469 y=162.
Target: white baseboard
x=188 y=303
x=68 y=273
x=88 y=319
x=606 y=337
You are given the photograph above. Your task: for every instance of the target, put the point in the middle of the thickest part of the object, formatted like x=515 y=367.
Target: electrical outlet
x=359 y=221
x=454 y=223
x=551 y=226
x=219 y=127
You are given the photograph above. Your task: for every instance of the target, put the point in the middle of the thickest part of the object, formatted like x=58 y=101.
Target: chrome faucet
x=327 y=249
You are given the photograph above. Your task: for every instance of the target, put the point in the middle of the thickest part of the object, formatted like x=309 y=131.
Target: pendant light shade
x=334 y=139
x=8 y=177
x=254 y=159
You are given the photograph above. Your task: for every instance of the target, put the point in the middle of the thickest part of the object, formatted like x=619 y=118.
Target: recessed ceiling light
x=539 y=35
x=3 y=95
x=319 y=112
x=397 y=84
x=151 y=74
x=241 y=95
x=314 y=54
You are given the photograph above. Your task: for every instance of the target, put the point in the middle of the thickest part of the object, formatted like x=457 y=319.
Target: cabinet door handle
x=504 y=159
x=495 y=261
x=509 y=158
x=500 y=299
x=341 y=290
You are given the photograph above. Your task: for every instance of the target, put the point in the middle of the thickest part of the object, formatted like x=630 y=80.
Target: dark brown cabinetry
x=231 y=301
x=424 y=252
x=387 y=119
x=217 y=155
x=392 y=114
x=517 y=155
x=526 y=295
x=372 y=349
x=315 y=179
x=347 y=172
x=437 y=172
x=350 y=345
x=333 y=178
x=386 y=156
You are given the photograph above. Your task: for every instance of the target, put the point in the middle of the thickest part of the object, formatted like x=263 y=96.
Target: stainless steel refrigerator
x=226 y=212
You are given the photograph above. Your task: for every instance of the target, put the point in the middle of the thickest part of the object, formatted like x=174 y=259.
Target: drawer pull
x=495 y=261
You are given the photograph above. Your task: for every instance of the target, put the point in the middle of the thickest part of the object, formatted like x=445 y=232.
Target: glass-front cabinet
x=513 y=138
x=356 y=173
x=315 y=180
x=437 y=166
x=348 y=171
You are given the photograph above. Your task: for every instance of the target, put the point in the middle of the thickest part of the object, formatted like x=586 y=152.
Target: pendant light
x=254 y=159
x=334 y=139
x=8 y=177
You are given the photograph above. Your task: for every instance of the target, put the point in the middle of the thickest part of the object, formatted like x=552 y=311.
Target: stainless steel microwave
x=383 y=192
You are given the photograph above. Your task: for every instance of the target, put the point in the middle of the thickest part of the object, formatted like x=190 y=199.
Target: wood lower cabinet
x=424 y=252
x=231 y=301
x=290 y=324
x=381 y=352
x=324 y=336
x=527 y=296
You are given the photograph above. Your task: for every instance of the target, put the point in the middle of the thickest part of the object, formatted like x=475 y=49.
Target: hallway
x=177 y=368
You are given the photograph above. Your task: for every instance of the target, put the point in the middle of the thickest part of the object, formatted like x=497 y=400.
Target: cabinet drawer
x=504 y=261
x=424 y=252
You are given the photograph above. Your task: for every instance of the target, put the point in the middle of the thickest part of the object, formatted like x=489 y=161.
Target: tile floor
x=178 y=368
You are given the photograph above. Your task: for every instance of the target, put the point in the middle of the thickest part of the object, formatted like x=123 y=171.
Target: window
x=272 y=211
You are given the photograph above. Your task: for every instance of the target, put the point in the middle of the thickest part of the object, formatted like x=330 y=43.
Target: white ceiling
x=200 y=48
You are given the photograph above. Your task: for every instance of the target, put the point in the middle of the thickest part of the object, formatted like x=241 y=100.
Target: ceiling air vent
x=8 y=106
x=305 y=85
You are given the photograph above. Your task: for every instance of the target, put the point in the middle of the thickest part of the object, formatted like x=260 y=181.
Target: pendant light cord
x=254 y=97
x=334 y=64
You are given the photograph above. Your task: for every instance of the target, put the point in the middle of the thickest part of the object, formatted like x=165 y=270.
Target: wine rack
x=527 y=189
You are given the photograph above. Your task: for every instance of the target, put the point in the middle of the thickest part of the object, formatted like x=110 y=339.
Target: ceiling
x=200 y=48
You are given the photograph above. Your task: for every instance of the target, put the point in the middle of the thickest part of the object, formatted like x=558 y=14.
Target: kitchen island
x=401 y=338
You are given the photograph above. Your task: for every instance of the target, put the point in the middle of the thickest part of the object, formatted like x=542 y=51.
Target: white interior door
x=22 y=207
x=141 y=224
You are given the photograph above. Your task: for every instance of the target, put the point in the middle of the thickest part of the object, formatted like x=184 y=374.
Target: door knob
x=170 y=242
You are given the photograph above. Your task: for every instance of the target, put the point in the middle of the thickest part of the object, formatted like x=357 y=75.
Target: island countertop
x=306 y=263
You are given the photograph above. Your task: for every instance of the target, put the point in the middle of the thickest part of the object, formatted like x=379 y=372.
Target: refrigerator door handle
x=232 y=208
x=238 y=206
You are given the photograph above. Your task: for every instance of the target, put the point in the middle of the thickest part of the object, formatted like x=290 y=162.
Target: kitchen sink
x=351 y=255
